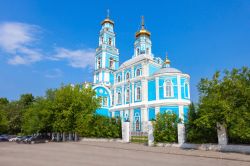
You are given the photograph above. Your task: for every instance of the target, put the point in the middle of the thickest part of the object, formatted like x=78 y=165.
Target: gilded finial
x=107 y=13
x=142 y=22
x=167 y=61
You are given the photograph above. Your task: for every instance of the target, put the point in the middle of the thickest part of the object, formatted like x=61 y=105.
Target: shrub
x=165 y=128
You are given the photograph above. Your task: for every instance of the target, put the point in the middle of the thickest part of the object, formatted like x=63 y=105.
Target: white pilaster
x=144 y=114
x=157 y=110
x=133 y=92
x=123 y=95
x=103 y=59
x=181 y=113
x=179 y=86
x=144 y=90
x=157 y=87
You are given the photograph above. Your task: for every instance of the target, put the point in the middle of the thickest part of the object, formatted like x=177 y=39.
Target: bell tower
x=107 y=55
x=142 y=43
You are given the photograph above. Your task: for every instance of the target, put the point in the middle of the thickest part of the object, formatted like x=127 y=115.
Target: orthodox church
x=141 y=87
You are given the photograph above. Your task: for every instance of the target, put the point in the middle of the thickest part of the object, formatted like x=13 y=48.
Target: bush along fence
x=168 y=130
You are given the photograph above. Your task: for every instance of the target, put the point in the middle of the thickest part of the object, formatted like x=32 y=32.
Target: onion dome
x=107 y=20
x=142 y=31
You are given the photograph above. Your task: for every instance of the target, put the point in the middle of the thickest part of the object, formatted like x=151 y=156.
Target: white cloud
x=55 y=73
x=80 y=58
x=17 y=39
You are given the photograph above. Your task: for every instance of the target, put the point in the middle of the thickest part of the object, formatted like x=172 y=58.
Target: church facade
x=141 y=87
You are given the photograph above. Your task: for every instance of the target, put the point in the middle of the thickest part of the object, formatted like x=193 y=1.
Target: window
x=113 y=97
x=105 y=101
x=186 y=90
x=127 y=95
x=138 y=93
x=147 y=51
x=168 y=88
x=119 y=98
x=127 y=75
x=119 y=78
x=138 y=51
x=99 y=63
x=110 y=41
x=111 y=63
x=138 y=72
x=102 y=40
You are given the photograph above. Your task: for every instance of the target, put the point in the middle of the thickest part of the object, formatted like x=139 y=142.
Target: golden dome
x=107 y=20
x=167 y=61
x=142 y=31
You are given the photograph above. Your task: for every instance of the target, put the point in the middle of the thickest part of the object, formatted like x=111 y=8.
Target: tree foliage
x=165 y=127
x=67 y=109
x=226 y=99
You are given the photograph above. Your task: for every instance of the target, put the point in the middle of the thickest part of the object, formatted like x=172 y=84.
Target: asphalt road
x=101 y=153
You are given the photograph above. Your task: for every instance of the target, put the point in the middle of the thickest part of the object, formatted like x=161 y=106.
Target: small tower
x=142 y=43
x=166 y=62
x=107 y=55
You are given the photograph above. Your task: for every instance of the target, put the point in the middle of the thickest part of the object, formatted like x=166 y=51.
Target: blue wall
x=151 y=90
x=152 y=69
x=151 y=114
x=173 y=109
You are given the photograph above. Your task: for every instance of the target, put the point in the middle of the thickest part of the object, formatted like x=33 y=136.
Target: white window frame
x=119 y=97
x=171 y=93
x=186 y=95
x=127 y=73
x=119 y=78
x=127 y=99
x=140 y=72
x=136 y=93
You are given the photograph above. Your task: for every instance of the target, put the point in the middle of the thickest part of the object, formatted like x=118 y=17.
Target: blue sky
x=45 y=43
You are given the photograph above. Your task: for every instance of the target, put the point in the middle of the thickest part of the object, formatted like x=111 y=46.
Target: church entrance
x=138 y=130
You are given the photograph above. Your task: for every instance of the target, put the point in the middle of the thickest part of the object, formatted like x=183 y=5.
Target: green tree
x=37 y=118
x=196 y=133
x=165 y=127
x=4 y=123
x=226 y=100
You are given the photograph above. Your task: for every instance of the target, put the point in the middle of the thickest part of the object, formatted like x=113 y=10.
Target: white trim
x=181 y=113
x=179 y=86
x=157 y=88
x=157 y=103
x=168 y=80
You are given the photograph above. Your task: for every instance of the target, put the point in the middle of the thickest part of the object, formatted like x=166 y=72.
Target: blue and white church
x=141 y=87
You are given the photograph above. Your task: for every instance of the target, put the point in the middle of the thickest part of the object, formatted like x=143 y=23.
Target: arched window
x=127 y=95
x=110 y=41
x=119 y=78
x=119 y=98
x=111 y=63
x=101 y=40
x=186 y=90
x=138 y=72
x=168 y=88
x=138 y=93
x=99 y=63
x=138 y=51
x=147 y=51
x=127 y=75
x=105 y=101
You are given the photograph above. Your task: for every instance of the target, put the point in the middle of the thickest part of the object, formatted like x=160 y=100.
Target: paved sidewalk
x=170 y=150
x=111 y=154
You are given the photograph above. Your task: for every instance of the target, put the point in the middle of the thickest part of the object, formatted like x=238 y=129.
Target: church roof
x=135 y=59
x=167 y=70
